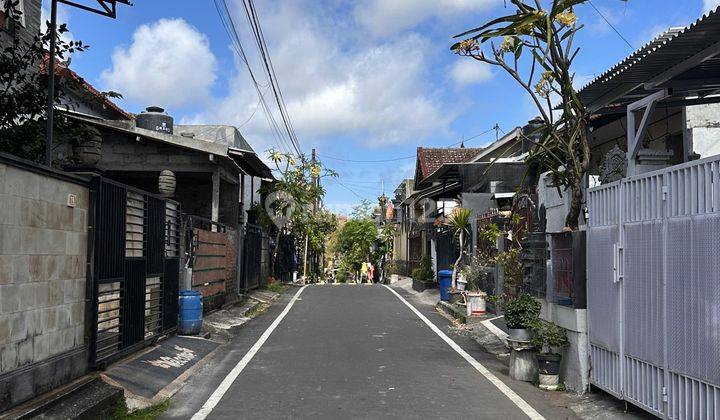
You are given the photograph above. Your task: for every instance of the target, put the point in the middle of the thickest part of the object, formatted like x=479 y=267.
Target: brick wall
x=43 y=248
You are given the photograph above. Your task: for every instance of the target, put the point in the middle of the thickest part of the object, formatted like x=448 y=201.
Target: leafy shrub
x=548 y=337
x=424 y=272
x=521 y=312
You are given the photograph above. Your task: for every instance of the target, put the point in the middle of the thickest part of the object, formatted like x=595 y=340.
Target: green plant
x=475 y=274
x=512 y=269
x=459 y=223
x=424 y=272
x=122 y=412
x=533 y=44
x=521 y=312
x=274 y=287
x=548 y=337
x=23 y=88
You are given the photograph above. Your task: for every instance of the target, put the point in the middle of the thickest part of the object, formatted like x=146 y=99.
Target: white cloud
x=468 y=72
x=169 y=63
x=386 y=17
x=377 y=93
x=63 y=17
x=709 y=5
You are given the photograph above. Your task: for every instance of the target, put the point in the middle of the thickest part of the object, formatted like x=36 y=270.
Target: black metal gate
x=252 y=256
x=447 y=250
x=136 y=267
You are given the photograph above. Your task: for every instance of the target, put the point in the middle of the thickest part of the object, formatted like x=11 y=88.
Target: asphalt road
x=352 y=351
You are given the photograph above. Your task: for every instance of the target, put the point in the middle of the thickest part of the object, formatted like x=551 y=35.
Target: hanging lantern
x=167 y=183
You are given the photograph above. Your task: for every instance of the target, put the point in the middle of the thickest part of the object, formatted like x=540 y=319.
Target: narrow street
x=351 y=351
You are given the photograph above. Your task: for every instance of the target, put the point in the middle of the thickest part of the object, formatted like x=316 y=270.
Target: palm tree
x=459 y=223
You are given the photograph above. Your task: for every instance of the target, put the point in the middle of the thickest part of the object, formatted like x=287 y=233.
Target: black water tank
x=154 y=118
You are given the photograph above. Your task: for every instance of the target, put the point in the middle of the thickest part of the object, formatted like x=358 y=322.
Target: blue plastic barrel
x=191 y=308
x=445 y=280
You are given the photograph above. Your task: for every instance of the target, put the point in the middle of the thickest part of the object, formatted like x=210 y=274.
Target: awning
x=497 y=196
x=437 y=191
x=683 y=59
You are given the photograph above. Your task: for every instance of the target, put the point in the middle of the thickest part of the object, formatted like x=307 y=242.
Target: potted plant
x=521 y=315
x=423 y=276
x=459 y=223
x=549 y=339
x=475 y=299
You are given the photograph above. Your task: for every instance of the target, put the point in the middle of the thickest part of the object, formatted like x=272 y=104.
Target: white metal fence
x=654 y=289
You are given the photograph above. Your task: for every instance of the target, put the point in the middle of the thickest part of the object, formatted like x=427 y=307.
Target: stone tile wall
x=43 y=252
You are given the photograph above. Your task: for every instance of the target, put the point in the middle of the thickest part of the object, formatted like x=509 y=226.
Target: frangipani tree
x=534 y=45
x=460 y=224
x=292 y=197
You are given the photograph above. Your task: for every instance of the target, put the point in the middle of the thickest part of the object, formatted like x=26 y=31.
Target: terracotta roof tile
x=431 y=159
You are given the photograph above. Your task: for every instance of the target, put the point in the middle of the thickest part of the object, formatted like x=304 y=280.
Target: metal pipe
x=51 y=84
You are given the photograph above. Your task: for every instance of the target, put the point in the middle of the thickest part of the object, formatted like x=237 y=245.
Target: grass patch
x=275 y=287
x=151 y=413
x=257 y=310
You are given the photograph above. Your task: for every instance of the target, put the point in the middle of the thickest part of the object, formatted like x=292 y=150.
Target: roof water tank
x=154 y=118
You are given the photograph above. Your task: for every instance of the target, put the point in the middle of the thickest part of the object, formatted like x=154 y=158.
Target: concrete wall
x=43 y=252
x=702 y=129
x=477 y=203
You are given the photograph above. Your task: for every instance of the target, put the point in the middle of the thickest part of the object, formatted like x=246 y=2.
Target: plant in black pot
x=423 y=276
x=521 y=314
x=549 y=339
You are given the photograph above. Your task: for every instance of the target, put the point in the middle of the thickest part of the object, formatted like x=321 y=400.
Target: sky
x=363 y=80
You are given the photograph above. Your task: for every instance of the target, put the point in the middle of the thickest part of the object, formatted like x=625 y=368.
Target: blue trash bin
x=445 y=280
x=191 y=308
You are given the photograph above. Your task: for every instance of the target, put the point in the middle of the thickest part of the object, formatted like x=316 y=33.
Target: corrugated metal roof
x=666 y=51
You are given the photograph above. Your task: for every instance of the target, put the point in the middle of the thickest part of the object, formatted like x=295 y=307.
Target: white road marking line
x=217 y=395
x=502 y=335
x=500 y=385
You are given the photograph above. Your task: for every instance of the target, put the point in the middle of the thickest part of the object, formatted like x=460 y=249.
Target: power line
x=349 y=189
x=251 y=14
x=368 y=161
x=473 y=137
x=229 y=25
x=611 y=25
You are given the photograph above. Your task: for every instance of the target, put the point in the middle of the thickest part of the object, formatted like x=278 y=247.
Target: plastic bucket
x=445 y=280
x=476 y=304
x=191 y=308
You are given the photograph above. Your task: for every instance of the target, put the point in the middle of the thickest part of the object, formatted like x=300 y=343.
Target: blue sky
x=363 y=80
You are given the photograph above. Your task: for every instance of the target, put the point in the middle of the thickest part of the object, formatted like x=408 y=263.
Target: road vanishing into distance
x=354 y=352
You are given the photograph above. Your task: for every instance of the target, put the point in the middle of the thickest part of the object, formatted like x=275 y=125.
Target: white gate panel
x=654 y=300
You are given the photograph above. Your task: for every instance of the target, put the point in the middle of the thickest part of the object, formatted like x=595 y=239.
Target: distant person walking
x=371 y=273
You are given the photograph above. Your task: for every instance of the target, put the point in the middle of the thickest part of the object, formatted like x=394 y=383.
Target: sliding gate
x=654 y=289
x=135 y=269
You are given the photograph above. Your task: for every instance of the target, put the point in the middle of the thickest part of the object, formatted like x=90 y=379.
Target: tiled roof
x=62 y=70
x=431 y=159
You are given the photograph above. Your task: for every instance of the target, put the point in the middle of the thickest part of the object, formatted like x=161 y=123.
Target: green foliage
x=520 y=312
x=23 y=90
x=475 y=273
x=424 y=272
x=512 y=269
x=274 y=287
x=122 y=412
x=533 y=44
x=354 y=241
x=548 y=337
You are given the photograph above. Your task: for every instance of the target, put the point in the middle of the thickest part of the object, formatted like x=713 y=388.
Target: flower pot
x=475 y=304
x=549 y=364
x=461 y=284
x=87 y=152
x=455 y=297
x=421 y=286
x=549 y=371
x=519 y=334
